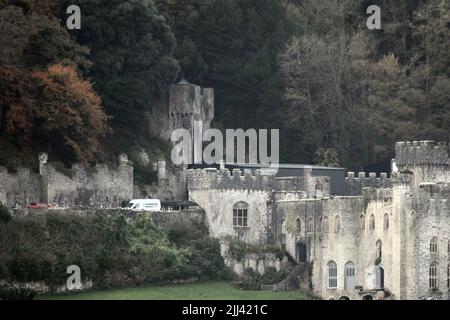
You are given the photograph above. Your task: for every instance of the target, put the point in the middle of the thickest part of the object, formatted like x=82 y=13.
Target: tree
x=338 y=97
x=326 y=157
x=131 y=50
x=68 y=109
x=239 y=40
x=44 y=101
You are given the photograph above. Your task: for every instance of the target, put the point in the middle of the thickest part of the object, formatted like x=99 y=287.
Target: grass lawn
x=194 y=291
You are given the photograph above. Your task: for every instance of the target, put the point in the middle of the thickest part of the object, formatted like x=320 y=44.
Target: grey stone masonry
x=354 y=185
x=421 y=153
x=211 y=178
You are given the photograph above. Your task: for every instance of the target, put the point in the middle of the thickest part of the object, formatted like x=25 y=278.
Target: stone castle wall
x=354 y=185
x=432 y=220
x=77 y=187
x=20 y=188
x=179 y=107
x=399 y=214
x=218 y=205
x=206 y=179
x=421 y=153
x=101 y=187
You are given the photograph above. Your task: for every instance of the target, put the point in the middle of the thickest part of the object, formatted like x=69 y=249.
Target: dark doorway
x=381 y=278
x=344 y=298
x=367 y=297
x=301 y=252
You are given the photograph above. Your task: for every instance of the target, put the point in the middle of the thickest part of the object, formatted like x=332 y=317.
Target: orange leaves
x=69 y=107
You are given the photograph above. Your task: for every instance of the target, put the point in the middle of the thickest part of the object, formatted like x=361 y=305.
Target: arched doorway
x=301 y=254
x=349 y=276
x=344 y=298
x=381 y=278
x=367 y=297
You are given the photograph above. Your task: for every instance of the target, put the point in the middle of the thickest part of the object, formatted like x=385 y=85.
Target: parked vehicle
x=37 y=205
x=178 y=205
x=144 y=205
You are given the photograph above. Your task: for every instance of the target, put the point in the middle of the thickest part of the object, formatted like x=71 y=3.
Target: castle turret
x=426 y=160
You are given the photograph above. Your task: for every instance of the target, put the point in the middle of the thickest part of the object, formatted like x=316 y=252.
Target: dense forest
x=340 y=94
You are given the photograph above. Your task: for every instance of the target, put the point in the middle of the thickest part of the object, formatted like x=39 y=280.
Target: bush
x=272 y=276
x=250 y=280
x=5 y=216
x=239 y=249
x=16 y=292
x=109 y=250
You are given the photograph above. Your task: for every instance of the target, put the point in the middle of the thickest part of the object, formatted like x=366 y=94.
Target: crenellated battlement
x=211 y=178
x=377 y=194
x=401 y=178
x=427 y=152
x=354 y=185
x=433 y=189
x=433 y=198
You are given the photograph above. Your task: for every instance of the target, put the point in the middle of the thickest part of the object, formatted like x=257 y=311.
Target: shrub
x=239 y=249
x=16 y=292
x=272 y=276
x=250 y=280
x=109 y=250
x=5 y=216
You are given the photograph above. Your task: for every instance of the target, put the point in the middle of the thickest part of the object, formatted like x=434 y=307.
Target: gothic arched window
x=413 y=219
x=433 y=276
x=372 y=222
x=332 y=275
x=283 y=227
x=434 y=245
x=298 y=225
x=326 y=226
x=448 y=276
x=310 y=228
x=379 y=247
x=386 y=222
x=337 y=224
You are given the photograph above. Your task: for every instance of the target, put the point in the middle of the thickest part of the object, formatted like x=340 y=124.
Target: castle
x=359 y=236
x=380 y=235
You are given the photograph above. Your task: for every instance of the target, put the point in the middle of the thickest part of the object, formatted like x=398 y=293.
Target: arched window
x=386 y=222
x=379 y=246
x=332 y=275
x=372 y=222
x=326 y=226
x=283 y=227
x=337 y=224
x=413 y=219
x=298 y=226
x=433 y=276
x=434 y=245
x=362 y=221
x=349 y=276
x=310 y=228
x=448 y=276
x=240 y=214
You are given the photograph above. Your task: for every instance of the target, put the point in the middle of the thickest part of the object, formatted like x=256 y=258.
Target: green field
x=195 y=291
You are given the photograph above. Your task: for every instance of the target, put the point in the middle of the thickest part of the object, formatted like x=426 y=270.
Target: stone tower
x=185 y=106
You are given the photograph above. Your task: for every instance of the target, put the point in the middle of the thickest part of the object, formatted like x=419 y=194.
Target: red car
x=36 y=205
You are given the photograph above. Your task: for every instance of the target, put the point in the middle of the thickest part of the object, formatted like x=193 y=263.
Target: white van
x=144 y=205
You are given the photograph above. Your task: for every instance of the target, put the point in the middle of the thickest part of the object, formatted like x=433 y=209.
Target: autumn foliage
x=67 y=107
x=45 y=104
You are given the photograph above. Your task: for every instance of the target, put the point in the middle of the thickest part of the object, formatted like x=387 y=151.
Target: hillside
x=310 y=68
